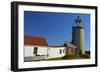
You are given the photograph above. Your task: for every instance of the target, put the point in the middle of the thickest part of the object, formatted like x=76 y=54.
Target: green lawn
x=69 y=57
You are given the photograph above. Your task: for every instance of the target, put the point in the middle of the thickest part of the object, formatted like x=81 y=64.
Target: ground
x=69 y=57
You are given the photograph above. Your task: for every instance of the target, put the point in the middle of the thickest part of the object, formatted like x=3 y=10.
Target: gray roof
x=70 y=45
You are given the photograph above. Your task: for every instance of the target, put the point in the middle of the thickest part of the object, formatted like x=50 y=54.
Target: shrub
x=85 y=55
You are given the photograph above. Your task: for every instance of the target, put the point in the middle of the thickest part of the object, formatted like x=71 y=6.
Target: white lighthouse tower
x=78 y=35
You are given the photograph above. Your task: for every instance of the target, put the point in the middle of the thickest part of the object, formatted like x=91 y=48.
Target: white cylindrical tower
x=78 y=35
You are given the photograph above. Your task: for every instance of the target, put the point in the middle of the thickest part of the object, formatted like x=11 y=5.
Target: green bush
x=85 y=55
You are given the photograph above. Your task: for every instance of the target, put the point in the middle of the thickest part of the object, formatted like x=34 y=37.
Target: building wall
x=48 y=52
x=29 y=50
x=55 y=52
x=71 y=51
x=78 y=39
x=82 y=48
x=42 y=50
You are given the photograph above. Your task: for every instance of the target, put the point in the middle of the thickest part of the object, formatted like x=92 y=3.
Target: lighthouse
x=78 y=35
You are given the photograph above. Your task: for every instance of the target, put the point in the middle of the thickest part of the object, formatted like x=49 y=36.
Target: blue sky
x=56 y=28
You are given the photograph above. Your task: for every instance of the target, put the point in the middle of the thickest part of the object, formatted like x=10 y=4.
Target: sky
x=56 y=28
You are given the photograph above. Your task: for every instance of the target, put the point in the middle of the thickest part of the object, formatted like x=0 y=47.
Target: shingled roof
x=34 y=40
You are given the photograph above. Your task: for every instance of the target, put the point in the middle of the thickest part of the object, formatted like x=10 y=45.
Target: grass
x=69 y=57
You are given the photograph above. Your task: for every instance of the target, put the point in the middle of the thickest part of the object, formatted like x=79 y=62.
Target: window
x=60 y=51
x=35 y=50
x=63 y=51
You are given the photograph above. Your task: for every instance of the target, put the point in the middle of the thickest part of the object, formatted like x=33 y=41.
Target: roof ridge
x=34 y=36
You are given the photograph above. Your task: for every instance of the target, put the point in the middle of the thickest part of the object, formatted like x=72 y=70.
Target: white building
x=56 y=51
x=36 y=48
